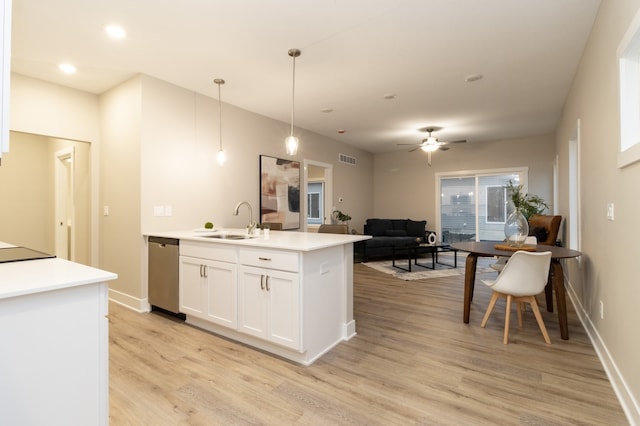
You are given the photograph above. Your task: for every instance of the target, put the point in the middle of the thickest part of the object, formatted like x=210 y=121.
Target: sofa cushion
x=389 y=242
x=399 y=224
x=416 y=228
x=395 y=233
x=378 y=227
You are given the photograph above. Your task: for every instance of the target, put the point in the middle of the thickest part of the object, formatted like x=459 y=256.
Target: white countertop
x=36 y=276
x=286 y=240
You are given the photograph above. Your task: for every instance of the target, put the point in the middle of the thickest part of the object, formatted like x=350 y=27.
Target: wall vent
x=346 y=159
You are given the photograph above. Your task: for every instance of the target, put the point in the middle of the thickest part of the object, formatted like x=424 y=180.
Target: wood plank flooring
x=413 y=362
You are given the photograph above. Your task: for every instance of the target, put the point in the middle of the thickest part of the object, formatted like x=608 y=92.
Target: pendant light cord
x=293 y=92
x=220 y=110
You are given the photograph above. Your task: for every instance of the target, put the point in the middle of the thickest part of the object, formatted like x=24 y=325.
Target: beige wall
x=405 y=184
x=607 y=272
x=50 y=110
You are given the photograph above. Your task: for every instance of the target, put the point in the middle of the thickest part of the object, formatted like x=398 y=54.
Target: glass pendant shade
x=221 y=157
x=291 y=144
x=516 y=229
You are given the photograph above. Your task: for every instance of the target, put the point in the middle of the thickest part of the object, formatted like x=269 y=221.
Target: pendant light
x=221 y=157
x=291 y=142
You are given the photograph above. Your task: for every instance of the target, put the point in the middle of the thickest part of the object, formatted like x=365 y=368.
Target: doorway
x=319 y=176
x=64 y=220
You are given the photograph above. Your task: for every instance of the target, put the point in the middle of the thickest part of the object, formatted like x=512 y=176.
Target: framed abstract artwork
x=280 y=191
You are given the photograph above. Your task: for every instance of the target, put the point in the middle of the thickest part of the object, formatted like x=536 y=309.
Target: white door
x=64 y=203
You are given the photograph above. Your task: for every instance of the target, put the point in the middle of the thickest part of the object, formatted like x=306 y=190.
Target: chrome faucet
x=251 y=226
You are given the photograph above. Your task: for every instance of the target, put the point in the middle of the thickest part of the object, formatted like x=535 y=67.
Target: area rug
x=422 y=273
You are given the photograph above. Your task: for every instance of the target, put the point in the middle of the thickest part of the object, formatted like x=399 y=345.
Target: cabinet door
x=284 y=309
x=192 y=287
x=252 y=302
x=269 y=305
x=222 y=293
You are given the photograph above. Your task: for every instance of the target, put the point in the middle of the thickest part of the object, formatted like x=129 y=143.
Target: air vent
x=346 y=159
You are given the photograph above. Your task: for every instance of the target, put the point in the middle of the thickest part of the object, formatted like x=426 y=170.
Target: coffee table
x=413 y=252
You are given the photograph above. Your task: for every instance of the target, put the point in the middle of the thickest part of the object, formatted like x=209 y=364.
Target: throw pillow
x=378 y=227
x=416 y=228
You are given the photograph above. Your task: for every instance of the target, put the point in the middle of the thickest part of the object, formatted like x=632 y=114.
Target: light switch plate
x=158 y=211
x=610 y=215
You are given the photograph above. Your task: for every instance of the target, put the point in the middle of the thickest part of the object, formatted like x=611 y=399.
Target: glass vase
x=516 y=229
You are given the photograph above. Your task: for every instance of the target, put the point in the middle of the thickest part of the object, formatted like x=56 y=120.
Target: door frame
x=328 y=189
x=64 y=204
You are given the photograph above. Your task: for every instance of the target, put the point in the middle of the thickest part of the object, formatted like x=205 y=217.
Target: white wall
x=607 y=272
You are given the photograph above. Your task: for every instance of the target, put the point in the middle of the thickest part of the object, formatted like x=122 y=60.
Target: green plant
x=342 y=217
x=528 y=204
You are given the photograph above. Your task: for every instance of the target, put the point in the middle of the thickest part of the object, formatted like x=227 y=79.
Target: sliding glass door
x=473 y=206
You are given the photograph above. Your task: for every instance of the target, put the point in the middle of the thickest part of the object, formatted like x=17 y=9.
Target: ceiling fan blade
x=414 y=149
x=408 y=144
x=444 y=148
x=460 y=141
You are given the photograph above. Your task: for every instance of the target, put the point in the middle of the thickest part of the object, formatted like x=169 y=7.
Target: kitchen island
x=54 y=358
x=287 y=293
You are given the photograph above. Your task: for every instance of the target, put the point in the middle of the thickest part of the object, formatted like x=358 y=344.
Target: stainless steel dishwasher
x=164 y=275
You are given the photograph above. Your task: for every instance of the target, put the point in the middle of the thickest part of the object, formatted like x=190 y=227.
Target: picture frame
x=280 y=191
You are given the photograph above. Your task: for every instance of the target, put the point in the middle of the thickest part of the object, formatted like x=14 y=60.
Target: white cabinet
x=269 y=305
x=55 y=357
x=208 y=287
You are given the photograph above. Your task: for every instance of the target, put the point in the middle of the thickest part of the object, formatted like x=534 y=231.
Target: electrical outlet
x=105 y=210
x=601 y=309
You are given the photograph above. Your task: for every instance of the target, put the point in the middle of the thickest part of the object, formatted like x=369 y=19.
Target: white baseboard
x=629 y=405
x=138 y=305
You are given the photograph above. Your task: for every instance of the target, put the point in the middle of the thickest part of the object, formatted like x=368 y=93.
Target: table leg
x=557 y=277
x=469 y=280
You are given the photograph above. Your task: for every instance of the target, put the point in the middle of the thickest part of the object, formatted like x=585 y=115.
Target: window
x=496 y=204
x=473 y=206
x=315 y=195
x=629 y=86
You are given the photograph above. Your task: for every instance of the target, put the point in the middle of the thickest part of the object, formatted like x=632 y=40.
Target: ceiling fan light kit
x=431 y=144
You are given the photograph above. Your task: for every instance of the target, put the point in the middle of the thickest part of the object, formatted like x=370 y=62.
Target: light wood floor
x=413 y=362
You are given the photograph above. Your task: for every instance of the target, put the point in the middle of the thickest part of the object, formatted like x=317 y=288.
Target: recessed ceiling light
x=473 y=77
x=67 y=68
x=115 y=32
x=389 y=96
x=327 y=110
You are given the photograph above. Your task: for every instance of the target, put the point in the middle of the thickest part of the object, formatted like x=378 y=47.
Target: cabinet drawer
x=273 y=259
x=219 y=252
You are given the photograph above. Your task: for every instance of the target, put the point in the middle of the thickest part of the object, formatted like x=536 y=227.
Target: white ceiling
x=353 y=53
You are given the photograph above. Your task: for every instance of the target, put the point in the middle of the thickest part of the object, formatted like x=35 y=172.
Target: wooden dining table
x=555 y=282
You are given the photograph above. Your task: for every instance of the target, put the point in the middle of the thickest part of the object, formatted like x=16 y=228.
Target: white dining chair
x=523 y=277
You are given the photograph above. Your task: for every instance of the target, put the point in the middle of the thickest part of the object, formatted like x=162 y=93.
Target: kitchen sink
x=229 y=236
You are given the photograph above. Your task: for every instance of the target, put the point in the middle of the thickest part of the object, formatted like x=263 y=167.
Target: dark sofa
x=390 y=233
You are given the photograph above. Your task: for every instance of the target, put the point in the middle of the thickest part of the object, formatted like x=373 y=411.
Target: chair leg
x=536 y=312
x=507 y=316
x=520 y=308
x=492 y=303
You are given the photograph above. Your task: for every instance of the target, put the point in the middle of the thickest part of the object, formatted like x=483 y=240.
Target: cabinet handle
x=268 y=259
x=267 y=280
x=262 y=282
x=204 y=268
x=201 y=270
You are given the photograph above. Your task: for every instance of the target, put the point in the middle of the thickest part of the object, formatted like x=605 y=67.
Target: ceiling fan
x=431 y=143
